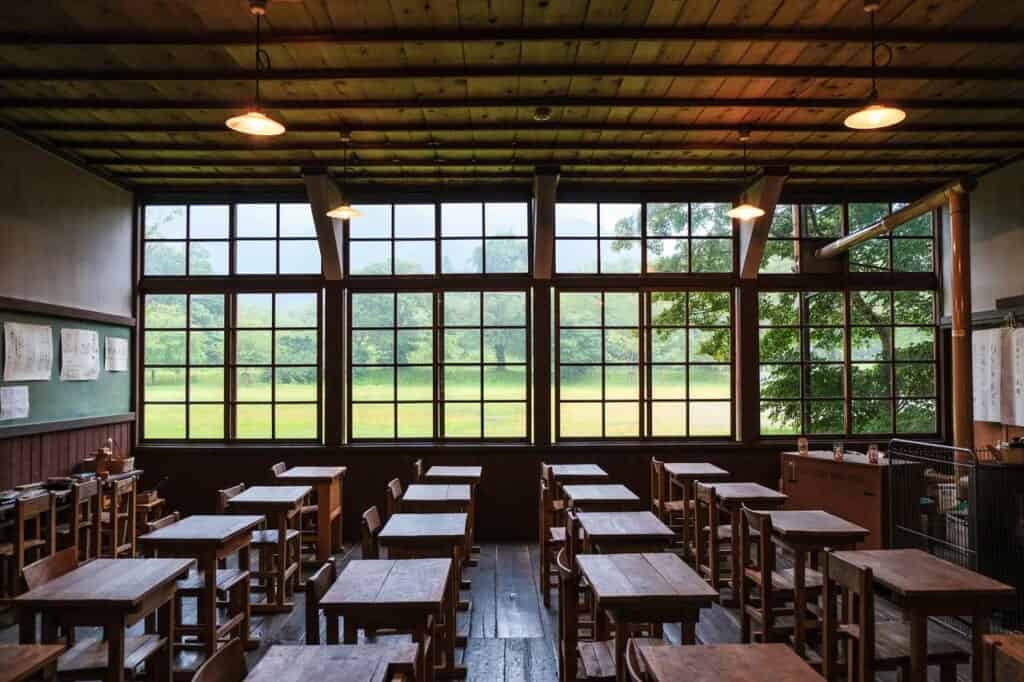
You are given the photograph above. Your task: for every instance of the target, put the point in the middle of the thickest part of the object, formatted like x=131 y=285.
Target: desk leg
x=918 y=646
x=165 y=628
x=734 y=555
x=114 y=634
x=621 y=637
x=26 y=625
x=688 y=629
x=282 y=560
x=332 y=626
x=244 y=564
x=799 y=599
x=323 y=522
x=980 y=628
x=208 y=604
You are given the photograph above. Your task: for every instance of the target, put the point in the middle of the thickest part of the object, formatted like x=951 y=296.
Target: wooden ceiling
x=444 y=91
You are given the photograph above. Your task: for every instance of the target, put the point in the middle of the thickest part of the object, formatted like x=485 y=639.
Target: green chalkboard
x=56 y=400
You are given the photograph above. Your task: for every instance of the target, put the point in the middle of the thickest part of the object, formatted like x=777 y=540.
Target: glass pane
x=164 y=421
x=414 y=258
x=296 y=348
x=707 y=308
x=415 y=346
x=462 y=420
x=252 y=384
x=782 y=226
x=416 y=383
x=206 y=384
x=575 y=220
x=503 y=308
x=505 y=383
x=461 y=383
x=580 y=383
x=462 y=256
x=256 y=258
x=295 y=421
x=710 y=382
x=579 y=309
x=579 y=345
x=414 y=220
x=164 y=348
x=373 y=421
x=416 y=310
x=462 y=220
x=575 y=256
x=253 y=347
x=865 y=215
x=826 y=345
x=871 y=256
x=780 y=257
x=375 y=222
x=912 y=255
x=622 y=383
x=164 y=384
x=915 y=343
x=504 y=345
x=821 y=221
x=668 y=220
x=504 y=420
x=621 y=310
x=206 y=348
x=668 y=308
x=621 y=420
x=208 y=222
x=710 y=345
x=295 y=384
x=780 y=418
x=462 y=345
x=622 y=345
x=777 y=308
x=253 y=421
x=506 y=255
x=668 y=381
x=372 y=347
x=620 y=255
x=711 y=255
x=916 y=416
x=870 y=380
x=506 y=219
x=825 y=416
x=824 y=307
x=914 y=307
x=710 y=220
x=297 y=221
x=710 y=419
x=415 y=421
x=165 y=258
x=462 y=308
x=165 y=311
x=920 y=226
x=668 y=255
x=668 y=419
x=668 y=345
x=620 y=220
x=373 y=310
x=255 y=310
x=825 y=381
x=870 y=343
x=206 y=421
x=870 y=307
x=296 y=310
x=165 y=222
x=208 y=258
x=915 y=380
x=369 y=258
x=779 y=345
x=872 y=416
x=780 y=381
x=300 y=257
x=256 y=220
x=580 y=420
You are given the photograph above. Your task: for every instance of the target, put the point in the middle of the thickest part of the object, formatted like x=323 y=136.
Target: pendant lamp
x=344 y=210
x=876 y=114
x=745 y=211
x=254 y=121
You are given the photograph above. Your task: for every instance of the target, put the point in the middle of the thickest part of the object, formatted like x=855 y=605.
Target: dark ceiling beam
x=817 y=177
x=531 y=71
x=697 y=33
x=511 y=102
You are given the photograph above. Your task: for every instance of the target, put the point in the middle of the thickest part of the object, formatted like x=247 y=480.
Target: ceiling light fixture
x=254 y=121
x=745 y=211
x=542 y=114
x=344 y=210
x=876 y=114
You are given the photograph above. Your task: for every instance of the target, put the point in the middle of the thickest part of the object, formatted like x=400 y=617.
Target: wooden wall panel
x=34 y=458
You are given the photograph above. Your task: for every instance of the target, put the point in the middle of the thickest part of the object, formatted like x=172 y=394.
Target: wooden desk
x=282 y=506
x=681 y=477
x=467 y=475
x=924 y=585
x=21 y=661
x=645 y=588
x=207 y=539
x=808 y=533
x=564 y=474
x=731 y=498
x=426 y=498
x=401 y=594
x=1004 y=658
x=618 y=532
x=338 y=663
x=716 y=662
x=600 y=497
x=113 y=594
x=328 y=484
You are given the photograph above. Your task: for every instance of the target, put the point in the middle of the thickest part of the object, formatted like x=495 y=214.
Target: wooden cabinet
x=854 y=489
x=1004 y=658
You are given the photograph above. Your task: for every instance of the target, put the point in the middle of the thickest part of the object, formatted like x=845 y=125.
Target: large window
x=393 y=239
x=619 y=238
x=909 y=248
x=484 y=238
x=859 y=362
x=643 y=364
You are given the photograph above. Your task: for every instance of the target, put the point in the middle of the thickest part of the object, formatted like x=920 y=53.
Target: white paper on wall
x=79 y=355
x=13 y=402
x=116 y=354
x=987 y=346
x=1013 y=379
x=28 y=352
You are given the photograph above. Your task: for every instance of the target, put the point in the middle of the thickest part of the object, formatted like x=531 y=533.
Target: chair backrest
x=418 y=470
x=225 y=495
x=394 y=497
x=50 y=568
x=35 y=519
x=764 y=560
x=121 y=487
x=853 y=586
x=227 y=665
x=572 y=537
x=316 y=587
x=163 y=522
x=705 y=513
x=371 y=529
x=545 y=512
x=278 y=469
x=568 y=617
x=86 y=507
x=657 y=484
x=33 y=505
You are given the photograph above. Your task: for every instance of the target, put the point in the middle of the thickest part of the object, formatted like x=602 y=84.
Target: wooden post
x=545 y=185
x=960 y=257
x=764 y=193
x=323 y=195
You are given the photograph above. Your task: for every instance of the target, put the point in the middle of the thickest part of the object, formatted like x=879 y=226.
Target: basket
x=121 y=466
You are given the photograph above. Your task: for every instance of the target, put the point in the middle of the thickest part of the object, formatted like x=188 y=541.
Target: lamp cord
x=262 y=60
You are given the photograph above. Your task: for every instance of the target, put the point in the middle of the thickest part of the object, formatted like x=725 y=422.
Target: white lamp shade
x=745 y=211
x=874 y=117
x=344 y=211
x=255 y=123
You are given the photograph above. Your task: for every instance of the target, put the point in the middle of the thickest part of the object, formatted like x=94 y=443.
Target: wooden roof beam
x=764 y=193
x=324 y=194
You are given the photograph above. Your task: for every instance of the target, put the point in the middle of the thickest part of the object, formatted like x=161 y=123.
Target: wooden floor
x=511 y=636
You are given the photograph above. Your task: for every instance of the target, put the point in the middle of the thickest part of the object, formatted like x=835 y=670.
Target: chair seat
x=195 y=583
x=310 y=509
x=91 y=655
x=892 y=644
x=269 y=537
x=677 y=505
x=725 y=532
x=783 y=581
x=597 y=660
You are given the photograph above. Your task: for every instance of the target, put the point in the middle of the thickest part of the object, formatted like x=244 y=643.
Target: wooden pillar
x=334 y=380
x=545 y=185
x=746 y=382
x=960 y=257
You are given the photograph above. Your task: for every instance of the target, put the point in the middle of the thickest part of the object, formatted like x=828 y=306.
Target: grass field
x=373 y=391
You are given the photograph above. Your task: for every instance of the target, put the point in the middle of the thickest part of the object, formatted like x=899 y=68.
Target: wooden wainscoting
x=37 y=456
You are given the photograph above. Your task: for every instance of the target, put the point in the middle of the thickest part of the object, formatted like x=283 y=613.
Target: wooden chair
x=673 y=513
x=316 y=587
x=635 y=669
x=310 y=508
x=278 y=468
x=371 y=527
x=227 y=665
x=394 y=497
x=873 y=646
x=577 y=659
x=164 y=521
x=87 y=660
x=83 y=528
x=118 y=519
x=33 y=537
x=774 y=587
x=712 y=540
x=551 y=535
x=418 y=470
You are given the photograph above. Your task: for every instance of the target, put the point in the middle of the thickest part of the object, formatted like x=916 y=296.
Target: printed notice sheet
x=28 y=352
x=79 y=355
x=13 y=402
x=116 y=354
x=1013 y=380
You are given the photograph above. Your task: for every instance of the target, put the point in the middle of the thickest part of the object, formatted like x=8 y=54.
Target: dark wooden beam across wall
x=695 y=33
